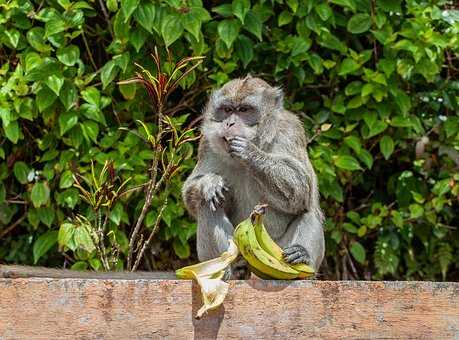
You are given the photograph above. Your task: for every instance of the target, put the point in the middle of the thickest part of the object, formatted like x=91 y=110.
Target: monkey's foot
x=296 y=254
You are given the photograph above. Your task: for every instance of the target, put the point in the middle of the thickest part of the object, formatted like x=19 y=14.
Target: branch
x=150 y=238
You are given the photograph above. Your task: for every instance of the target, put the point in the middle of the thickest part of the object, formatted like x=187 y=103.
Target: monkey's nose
x=229 y=124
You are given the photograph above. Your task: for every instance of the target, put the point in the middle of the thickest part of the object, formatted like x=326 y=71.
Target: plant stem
x=150 y=238
x=149 y=195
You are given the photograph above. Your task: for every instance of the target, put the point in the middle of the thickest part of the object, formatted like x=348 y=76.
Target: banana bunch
x=264 y=256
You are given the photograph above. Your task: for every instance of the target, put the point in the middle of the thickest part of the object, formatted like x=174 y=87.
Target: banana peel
x=208 y=275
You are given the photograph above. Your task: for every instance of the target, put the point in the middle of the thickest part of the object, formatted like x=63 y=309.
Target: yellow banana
x=262 y=261
x=271 y=247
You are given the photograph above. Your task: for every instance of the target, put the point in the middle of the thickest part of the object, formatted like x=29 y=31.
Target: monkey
x=252 y=151
x=20 y=271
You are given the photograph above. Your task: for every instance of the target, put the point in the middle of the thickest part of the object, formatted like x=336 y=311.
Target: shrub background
x=376 y=83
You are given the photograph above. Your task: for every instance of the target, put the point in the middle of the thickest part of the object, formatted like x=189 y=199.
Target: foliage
x=375 y=82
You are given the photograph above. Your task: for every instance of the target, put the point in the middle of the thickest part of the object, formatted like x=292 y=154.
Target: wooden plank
x=42 y=308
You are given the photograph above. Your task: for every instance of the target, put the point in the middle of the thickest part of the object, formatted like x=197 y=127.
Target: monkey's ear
x=278 y=96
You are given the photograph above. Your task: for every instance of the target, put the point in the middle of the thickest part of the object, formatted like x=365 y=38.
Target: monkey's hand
x=241 y=148
x=296 y=254
x=212 y=191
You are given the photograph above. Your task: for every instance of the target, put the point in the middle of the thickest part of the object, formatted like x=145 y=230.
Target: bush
x=376 y=83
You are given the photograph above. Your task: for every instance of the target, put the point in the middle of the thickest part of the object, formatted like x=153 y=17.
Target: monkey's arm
x=203 y=184
x=287 y=181
x=16 y=271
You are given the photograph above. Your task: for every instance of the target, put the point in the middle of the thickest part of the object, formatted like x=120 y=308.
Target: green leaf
x=46 y=215
x=39 y=194
x=228 y=31
x=35 y=37
x=192 y=24
x=68 y=95
x=354 y=143
x=240 y=9
x=68 y=55
x=83 y=239
x=348 y=66
x=21 y=171
x=12 y=131
x=92 y=96
x=43 y=244
x=225 y=10
x=182 y=250
x=324 y=11
x=67 y=120
x=244 y=50
x=116 y=213
x=358 y=252
x=138 y=39
x=359 y=23
x=145 y=15
x=13 y=36
x=45 y=98
x=54 y=82
x=53 y=26
x=65 y=235
x=386 y=145
x=347 y=162
x=253 y=24
x=171 y=29
x=293 y=4
x=108 y=73
x=90 y=130
x=284 y=18
x=128 y=7
x=66 y=180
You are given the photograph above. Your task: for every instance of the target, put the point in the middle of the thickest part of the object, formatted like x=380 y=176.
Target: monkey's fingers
x=292 y=258
x=219 y=193
x=212 y=206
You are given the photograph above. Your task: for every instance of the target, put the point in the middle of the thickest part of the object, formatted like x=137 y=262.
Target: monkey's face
x=237 y=109
x=231 y=119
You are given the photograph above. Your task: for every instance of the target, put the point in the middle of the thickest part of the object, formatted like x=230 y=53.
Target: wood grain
x=41 y=308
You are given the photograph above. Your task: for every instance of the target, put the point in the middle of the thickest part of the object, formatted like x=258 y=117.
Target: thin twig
x=89 y=51
x=106 y=16
x=14 y=225
x=146 y=244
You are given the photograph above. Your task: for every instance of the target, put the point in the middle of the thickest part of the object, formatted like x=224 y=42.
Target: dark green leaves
x=21 y=171
x=228 y=31
x=171 y=29
x=44 y=244
x=39 y=194
x=145 y=15
x=358 y=252
x=240 y=9
x=68 y=55
x=386 y=144
x=347 y=162
x=359 y=23
x=244 y=49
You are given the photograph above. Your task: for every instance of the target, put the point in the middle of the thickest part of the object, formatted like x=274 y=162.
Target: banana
x=257 y=257
x=271 y=247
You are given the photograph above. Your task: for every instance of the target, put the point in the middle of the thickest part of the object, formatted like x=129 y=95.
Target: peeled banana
x=264 y=256
x=208 y=275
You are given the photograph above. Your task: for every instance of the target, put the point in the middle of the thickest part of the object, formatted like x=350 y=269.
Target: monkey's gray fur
x=254 y=151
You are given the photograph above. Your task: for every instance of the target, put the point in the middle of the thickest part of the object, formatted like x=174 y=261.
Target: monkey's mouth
x=226 y=141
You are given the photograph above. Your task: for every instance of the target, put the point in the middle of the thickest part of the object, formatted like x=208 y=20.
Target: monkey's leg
x=304 y=241
x=214 y=231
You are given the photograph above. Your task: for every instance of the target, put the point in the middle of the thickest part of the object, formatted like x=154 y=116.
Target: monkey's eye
x=228 y=109
x=243 y=109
